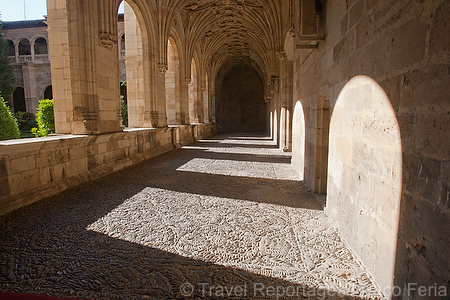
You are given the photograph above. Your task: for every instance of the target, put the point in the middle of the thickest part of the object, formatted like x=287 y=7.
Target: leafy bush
x=8 y=124
x=25 y=120
x=45 y=119
x=124 y=111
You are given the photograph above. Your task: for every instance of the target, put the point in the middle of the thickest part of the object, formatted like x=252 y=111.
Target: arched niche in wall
x=364 y=175
x=241 y=106
x=298 y=140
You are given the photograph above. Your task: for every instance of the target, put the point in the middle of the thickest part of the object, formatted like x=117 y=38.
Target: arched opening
x=136 y=79
x=172 y=84
x=193 y=95
x=19 y=100
x=11 y=48
x=24 y=51
x=241 y=106
x=321 y=147
x=24 y=47
x=365 y=175
x=40 y=46
x=48 y=92
x=298 y=140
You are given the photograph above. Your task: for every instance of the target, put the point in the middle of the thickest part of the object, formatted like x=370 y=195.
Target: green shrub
x=45 y=119
x=124 y=111
x=8 y=124
x=25 y=120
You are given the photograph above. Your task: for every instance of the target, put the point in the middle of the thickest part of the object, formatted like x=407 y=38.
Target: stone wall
x=240 y=103
x=404 y=47
x=36 y=168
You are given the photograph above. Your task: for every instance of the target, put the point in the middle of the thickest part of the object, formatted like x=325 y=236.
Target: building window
x=40 y=46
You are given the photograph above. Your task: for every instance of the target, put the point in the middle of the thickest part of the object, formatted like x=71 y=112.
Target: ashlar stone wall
x=398 y=228
x=33 y=169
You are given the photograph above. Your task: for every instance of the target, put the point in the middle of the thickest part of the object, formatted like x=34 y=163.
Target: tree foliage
x=45 y=119
x=8 y=124
x=6 y=69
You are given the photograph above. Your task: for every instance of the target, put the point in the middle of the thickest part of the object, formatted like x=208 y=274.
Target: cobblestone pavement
x=224 y=218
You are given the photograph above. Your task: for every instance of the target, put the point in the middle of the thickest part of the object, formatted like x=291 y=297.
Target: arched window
x=19 y=100
x=12 y=49
x=24 y=51
x=24 y=47
x=48 y=93
x=40 y=46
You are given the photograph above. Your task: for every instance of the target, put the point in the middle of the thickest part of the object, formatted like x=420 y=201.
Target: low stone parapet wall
x=32 y=169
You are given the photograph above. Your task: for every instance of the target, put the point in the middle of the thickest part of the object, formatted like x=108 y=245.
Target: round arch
x=24 y=47
x=40 y=46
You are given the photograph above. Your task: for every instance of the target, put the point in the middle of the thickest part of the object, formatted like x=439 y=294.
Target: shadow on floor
x=46 y=249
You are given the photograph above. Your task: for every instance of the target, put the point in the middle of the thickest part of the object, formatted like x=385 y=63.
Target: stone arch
x=19 y=99
x=40 y=46
x=24 y=50
x=364 y=175
x=24 y=47
x=240 y=105
x=321 y=144
x=172 y=84
x=139 y=83
x=48 y=92
x=11 y=48
x=298 y=139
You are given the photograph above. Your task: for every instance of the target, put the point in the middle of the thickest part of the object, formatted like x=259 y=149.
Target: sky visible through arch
x=11 y=10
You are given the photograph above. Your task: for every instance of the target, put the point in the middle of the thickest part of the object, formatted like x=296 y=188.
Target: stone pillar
x=161 y=96
x=286 y=95
x=138 y=93
x=85 y=67
x=30 y=81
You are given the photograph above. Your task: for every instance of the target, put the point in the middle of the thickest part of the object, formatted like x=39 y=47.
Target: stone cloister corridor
x=352 y=94
x=228 y=211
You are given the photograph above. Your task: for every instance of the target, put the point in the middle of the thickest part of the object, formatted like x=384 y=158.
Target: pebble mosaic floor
x=223 y=218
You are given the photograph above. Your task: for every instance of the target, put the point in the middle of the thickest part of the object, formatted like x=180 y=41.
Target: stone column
x=30 y=82
x=286 y=95
x=85 y=67
x=161 y=97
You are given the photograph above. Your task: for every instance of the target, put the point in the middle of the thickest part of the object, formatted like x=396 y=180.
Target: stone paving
x=224 y=218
